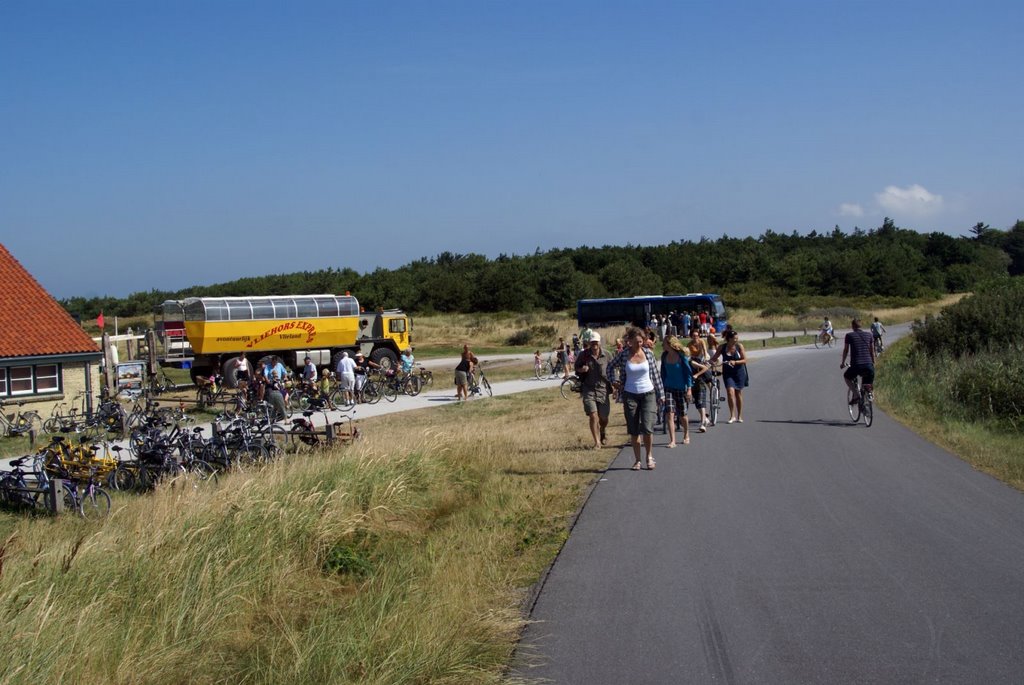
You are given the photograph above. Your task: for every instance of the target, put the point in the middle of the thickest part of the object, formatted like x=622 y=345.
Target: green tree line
x=888 y=261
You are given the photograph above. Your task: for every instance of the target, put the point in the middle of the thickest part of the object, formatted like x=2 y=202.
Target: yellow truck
x=206 y=334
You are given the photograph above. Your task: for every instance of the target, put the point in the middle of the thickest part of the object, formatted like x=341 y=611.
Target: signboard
x=130 y=376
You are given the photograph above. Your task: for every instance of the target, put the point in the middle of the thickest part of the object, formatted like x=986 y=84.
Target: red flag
x=99 y=320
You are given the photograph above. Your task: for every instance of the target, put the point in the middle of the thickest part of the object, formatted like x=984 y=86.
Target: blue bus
x=637 y=311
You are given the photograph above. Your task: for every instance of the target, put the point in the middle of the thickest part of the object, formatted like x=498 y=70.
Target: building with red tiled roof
x=44 y=353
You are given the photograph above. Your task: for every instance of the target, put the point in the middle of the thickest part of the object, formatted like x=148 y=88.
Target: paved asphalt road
x=792 y=548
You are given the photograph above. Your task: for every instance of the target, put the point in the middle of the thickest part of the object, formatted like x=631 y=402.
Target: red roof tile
x=32 y=322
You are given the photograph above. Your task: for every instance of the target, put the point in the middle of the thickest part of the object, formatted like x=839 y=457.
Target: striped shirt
x=859 y=342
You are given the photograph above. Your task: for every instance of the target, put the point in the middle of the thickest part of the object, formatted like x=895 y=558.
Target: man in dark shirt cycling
x=860 y=347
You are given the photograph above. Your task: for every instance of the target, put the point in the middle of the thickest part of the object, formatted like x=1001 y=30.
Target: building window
x=43 y=379
x=47 y=378
x=21 y=380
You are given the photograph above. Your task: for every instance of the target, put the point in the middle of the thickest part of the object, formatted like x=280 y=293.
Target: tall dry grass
x=759 y=320
x=403 y=559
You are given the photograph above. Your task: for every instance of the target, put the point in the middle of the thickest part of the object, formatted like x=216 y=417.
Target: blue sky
x=164 y=144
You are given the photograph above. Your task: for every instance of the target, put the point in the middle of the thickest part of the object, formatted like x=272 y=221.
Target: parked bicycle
x=20 y=422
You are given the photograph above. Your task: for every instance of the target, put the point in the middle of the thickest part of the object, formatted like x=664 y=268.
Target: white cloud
x=850 y=209
x=914 y=200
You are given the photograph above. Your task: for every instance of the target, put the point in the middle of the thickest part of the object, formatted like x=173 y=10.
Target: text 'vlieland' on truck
x=206 y=334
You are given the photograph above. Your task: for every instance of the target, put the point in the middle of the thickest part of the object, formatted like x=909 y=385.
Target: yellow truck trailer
x=206 y=334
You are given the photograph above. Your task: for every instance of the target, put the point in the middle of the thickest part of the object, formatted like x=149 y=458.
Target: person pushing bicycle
x=859 y=345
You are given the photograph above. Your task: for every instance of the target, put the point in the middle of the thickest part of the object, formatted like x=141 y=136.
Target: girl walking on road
x=734 y=373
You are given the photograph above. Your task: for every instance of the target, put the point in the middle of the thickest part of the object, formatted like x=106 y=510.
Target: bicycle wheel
x=201 y=472
x=304 y=436
x=818 y=342
x=71 y=501
x=853 y=406
x=714 y=402
x=486 y=385
x=298 y=401
x=566 y=388
x=121 y=479
x=412 y=386
x=867 y=411
x=371 y=391
x=52 y=425
x=95 y=503
x=389 y=391
x=276 y=440
x=832 y=341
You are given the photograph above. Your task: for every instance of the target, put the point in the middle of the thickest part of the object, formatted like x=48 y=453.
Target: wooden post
x=151 y=352
x=329 y=431
x=55 y=496
x=773 y=332
x=108 y=365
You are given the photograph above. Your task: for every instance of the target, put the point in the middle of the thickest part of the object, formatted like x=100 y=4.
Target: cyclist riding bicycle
x=861 y=350
x=877 y=329
x=827 y=332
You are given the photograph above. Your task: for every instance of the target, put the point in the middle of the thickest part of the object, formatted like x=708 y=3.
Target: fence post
x=329 y=431
x=773 y=332
x=764 y=342
x=55 y=496
x=794 y=340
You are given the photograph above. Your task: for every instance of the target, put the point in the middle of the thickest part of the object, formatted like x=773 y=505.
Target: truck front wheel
x=383 y=357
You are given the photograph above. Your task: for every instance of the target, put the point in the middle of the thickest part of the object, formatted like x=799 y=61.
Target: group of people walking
x=648 y=389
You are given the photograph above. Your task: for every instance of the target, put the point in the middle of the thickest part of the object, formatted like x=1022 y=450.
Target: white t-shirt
x=347 y=367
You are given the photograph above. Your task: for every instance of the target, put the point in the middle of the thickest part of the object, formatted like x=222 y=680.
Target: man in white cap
x=592 y=368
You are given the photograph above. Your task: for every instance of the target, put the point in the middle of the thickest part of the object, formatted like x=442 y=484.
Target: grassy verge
x=917 y=394
x=403 y=559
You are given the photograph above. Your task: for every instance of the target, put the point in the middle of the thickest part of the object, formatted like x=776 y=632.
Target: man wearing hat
x=592 y=368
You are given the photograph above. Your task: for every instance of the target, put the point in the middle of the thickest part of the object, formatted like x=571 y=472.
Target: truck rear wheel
x=230 y=373
x=383 y=357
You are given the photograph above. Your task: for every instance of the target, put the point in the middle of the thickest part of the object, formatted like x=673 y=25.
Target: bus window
x=262 y=309
x=285 y=309
x=239 y=310
x=305 y=307
x=216 y=310
x=327 y=306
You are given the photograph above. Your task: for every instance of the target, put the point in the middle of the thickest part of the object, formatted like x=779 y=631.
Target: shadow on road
x=813 y=422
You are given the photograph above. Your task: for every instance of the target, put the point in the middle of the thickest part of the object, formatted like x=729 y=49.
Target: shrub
x=533 y=335
x=991 y=386
x=992 y=318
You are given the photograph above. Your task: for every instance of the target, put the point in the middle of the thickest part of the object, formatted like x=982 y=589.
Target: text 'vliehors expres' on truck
x=206 y=334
